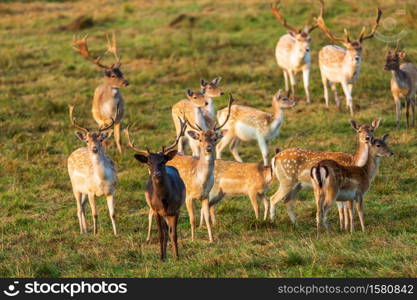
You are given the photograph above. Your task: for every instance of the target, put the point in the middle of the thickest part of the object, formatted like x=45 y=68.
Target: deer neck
x=361 y=156
x=350 y=65
x=400 y=77
x=371 y=166
x=205 y=165
x=210 y=105
x=277 y=117
x=199 y=118
x=100 y=165
x=160 y=188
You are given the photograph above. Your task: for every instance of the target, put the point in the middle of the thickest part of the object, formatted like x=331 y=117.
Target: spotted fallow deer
x=334 y=182
x=248 y=124
x=107 y=96
x=292 y=166
x=342 y=65
x=198 y=109
x=165 y=191
x=293 y=53
x=236 y=178
x=198 y=172
x=92 y=173
x=403 y=83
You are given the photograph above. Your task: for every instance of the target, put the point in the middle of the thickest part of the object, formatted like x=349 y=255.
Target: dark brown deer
x=165 y=191
x=107 y=96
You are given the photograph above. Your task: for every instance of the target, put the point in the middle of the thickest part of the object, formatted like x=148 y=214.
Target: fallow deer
x=293 y=53
x=342 y=65
x=334 y=182
x=248 y=124
x=235 y=178
x=92 y=173
x=107 y=96
x=165 y=191
x=198 y=109
x=292 y=166
x=198 y=172
x=403 y=83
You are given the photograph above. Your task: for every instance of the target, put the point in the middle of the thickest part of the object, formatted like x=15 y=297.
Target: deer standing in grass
x=334 y=182
x=198 y=109
x=92 y=174
x=293 y=53
x=342 y=65
x=292 y=166
x=107 y=102
x=248 y=124
x=235 y=178
x=165 y=191
x=403 y=83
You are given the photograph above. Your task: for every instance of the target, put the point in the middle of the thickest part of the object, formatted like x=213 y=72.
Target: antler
x=131 y=145
x=323 y=27
x=182 y=131
x=80 y=45
x=196 y=127
x=231 y=100
x=71 y=109
x=277 y=14
x=371 y=35
x=112 y=48
x=320 y=16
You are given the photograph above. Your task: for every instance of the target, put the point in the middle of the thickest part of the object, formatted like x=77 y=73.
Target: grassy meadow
x=41 y=75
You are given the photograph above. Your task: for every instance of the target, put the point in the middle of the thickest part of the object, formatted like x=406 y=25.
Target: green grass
x=41 y=75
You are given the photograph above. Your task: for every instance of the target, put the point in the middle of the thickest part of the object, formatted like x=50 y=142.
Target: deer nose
x=209 y=149
x=308 y=50
x=391 y=154
x=368 y=138
x=206 y=103
x=221 y=93
x=95 y=149
x=357 y=57
x=157 y=174
x=125 y=83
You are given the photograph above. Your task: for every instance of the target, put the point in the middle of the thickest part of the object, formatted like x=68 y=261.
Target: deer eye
x=378 y=145
x=113 y=76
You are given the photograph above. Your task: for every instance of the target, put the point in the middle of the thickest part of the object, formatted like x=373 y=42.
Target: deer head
x=393 y=58
x=354 y=46
x=197 y=98
x=208 y=139
x=211 y=89
x=113 y=74
x=281 y=101
x=301 y=36
x=379 y=148
x=93 y=139
x=156 y=160
x=365 y=132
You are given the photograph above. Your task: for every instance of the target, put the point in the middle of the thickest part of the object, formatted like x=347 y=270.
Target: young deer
x=248 y=124
x=403 y=83
x=235 y=178
x=293 y=53
x=165 y=191
x=334 y=182
x=92 y=174
x=107 y=96
x=198 y=172
x=342 y=65
x=292 y=166
x=198 y=109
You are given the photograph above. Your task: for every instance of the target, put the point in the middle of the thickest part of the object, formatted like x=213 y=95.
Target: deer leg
x=212 y=215
x=189 y=202
x=413 y=108
x=84 y=200
x=117 y=134
x=172 y=227
x=287 y=87
x=266 y=206
x=223 y=143
x=206 y=210
x=407 y=112
x=283 y=193
x=348 y=96
x=110 y=205
x=340 y=208
x=161 y=236
x=215 y=196
x=253 y=196
x=150 y=217
x=233 y=149
x=397 y=110
x=78 y=196
x=201 y=218
x=336 y=96
x=359 y=208
x=292 y=82
x=264 y=149
x=349 y=211
x=319 y=200
x=92 y=201
x=325 y=89
x=306 y=81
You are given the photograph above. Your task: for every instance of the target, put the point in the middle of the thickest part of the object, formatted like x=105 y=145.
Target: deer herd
x=175 y=178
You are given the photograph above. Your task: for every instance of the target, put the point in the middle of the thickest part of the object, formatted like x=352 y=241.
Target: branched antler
x=371 y=35
x=277 y=14
x=182 y=131
x=72 y=120
x=112 y=48
x=231 y=100
x=132 y=145
x=323 y=27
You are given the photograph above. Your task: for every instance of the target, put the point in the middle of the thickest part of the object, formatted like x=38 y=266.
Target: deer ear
x=80 y=135
x=384 y=138
x=105 y=135
x=401 y=54
x=141 y=158
x=170 y=155
x=216 y=80
x=107 y=73
x=193 y=134
x=354 y=125
x=203 y=83
x=189 y=93
x=222 y=133
x=375 y=123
